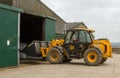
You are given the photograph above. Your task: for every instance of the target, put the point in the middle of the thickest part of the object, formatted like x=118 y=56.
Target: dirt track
x=75 y=69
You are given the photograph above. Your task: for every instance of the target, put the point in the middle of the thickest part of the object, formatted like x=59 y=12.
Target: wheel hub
x=54 y=56
x=92 y=57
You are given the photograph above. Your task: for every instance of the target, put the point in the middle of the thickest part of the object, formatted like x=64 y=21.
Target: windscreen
x=78 y=36
x=84 y=36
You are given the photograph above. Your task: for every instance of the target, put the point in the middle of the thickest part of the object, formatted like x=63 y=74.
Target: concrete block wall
x=7 y=2
x=37 y=7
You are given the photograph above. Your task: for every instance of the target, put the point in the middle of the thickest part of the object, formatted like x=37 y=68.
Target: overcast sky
x=101 y=15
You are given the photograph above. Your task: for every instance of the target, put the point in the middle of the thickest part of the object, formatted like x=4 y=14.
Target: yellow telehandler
x=78 y=43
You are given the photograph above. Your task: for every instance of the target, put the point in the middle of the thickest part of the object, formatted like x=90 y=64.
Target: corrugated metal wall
x=59 y=36
x=8 y=38
x=49 y=29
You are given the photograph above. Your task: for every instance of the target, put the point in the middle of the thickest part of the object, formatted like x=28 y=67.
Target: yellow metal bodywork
x=105 y=47
x=53 y=43
x=56 y=42
x=103 y=44
x=44 y=51
x=72 y=47
x=85 y=29
x=92 y=57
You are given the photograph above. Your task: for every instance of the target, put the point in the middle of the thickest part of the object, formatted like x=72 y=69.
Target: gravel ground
x=75 y=69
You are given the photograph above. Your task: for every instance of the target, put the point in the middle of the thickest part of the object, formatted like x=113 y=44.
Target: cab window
x=84 y=36
x=75 y=37
x=72 y=36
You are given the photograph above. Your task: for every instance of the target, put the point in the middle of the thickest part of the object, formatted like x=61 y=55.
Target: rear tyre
x=92 y=57
x=103 y=60
x=55 y=56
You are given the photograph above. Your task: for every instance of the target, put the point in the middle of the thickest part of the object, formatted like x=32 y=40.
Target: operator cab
x=76 y=41
x=78 y=36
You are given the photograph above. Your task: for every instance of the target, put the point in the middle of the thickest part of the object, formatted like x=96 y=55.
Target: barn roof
x=75 y=25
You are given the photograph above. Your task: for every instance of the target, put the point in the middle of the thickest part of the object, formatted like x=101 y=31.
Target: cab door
x=71 y=43
x=76 y=42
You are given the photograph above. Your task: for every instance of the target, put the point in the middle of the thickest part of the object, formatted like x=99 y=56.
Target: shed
x=18 y=28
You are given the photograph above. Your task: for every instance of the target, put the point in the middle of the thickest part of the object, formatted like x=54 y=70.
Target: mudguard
x=63 y=51
x=105 y=46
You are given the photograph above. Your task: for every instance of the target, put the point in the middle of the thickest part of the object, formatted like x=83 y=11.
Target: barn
x=22 y=21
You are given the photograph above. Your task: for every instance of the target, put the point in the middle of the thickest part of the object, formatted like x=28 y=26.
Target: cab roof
x=81 y=26
x=85 y=29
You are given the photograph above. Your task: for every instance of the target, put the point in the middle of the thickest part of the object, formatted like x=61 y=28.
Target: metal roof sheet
x=12 y=8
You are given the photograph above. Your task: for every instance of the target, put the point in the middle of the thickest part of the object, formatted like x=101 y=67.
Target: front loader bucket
x=33 y=49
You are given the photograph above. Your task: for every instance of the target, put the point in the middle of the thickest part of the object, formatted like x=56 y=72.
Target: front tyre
x=103 y=60
x=55 y=56
x=92 y=57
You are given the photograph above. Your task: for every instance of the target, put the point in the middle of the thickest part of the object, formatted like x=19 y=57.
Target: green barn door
x=8 y=38
x=49 y=29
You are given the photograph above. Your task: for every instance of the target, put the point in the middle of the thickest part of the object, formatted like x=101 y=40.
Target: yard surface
x=74 y=69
